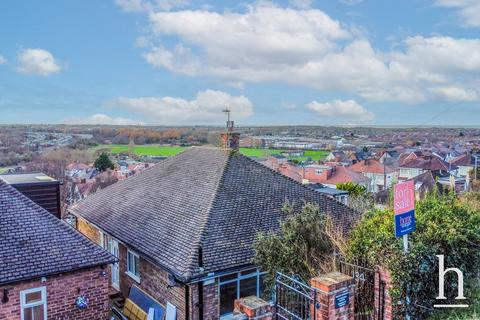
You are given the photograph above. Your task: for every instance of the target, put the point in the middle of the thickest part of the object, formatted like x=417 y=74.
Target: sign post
x=404 y=208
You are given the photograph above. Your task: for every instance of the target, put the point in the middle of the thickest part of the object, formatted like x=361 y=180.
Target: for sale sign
x=404 y=207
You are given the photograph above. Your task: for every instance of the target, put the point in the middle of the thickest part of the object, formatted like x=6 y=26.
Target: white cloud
x=468 y=10
x=268 y=43
x=455 y=94
x=37 y=61
x=205 y=108
x=99 y=118
x=348 y=109
x=2 y=60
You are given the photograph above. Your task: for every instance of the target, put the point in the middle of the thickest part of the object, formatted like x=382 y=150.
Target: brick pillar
x=335 y=296
x=253 y=308
x=383 y=301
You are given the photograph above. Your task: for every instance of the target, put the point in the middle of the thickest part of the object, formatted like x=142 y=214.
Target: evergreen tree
x=103 y=163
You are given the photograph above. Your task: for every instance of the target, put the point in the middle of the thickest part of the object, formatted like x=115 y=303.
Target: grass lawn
x=147 y=150
x=157 y=150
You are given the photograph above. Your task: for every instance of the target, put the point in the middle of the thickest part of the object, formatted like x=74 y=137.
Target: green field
x=157 y=150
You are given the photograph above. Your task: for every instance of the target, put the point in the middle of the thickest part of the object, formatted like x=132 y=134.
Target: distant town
x=196 y=222
x=323 y=157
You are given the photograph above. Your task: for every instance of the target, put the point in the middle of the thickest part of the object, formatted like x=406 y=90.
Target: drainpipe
x=200 y=285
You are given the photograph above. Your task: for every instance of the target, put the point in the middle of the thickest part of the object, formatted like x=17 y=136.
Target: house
x=40 y=188
x=424 y=183
x=183 y=229
x=410 y=155
x=292 y=171
x=381 y=176
x=274 y=161
x=416 y=166
x=46 y=267
x=331 y=176
x=337 y=194
x=465 y=163
x=336 y=156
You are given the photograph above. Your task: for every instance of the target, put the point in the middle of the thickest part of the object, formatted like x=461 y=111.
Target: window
x=34 y=304
x=101 y=239
x=133 y=264
x=239 y=285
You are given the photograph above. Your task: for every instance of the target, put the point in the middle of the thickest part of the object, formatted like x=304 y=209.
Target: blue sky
x=179 y=62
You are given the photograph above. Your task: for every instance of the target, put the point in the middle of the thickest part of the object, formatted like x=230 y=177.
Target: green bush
x=445 y=226
x=302 y=247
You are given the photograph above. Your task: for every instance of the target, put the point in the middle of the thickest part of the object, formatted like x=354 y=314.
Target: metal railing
x=294 y=300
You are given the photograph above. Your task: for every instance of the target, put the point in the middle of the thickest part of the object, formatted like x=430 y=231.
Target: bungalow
x=47 y=269
x=183 y=229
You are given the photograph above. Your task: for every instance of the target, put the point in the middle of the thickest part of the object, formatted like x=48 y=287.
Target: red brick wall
x=154 y=281
x=211 y=304
x=383 y=301
x=211 y=307
x=62 y=290
x=329 y=285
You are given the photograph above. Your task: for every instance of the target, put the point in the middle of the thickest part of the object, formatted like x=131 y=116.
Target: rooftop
x=27 y=178
x=34 y=243
x=432 y=163
x=371 y=166
x=326 y=190
x=200 y=211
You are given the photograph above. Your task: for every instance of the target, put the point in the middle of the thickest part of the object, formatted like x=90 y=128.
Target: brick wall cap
x=331 y=281
x=252 y=302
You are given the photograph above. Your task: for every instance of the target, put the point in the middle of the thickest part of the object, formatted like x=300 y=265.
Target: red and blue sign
x=404 y=208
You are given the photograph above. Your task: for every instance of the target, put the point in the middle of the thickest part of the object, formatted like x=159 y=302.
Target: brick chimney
x=229 y=140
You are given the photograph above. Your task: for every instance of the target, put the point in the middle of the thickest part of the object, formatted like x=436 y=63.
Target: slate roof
x=204 y=198
x=463 y=160
x=34 y=243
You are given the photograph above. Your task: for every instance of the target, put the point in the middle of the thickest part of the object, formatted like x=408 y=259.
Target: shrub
x=445 y=225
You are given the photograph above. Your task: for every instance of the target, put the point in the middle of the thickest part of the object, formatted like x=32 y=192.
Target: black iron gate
x=364 y=290
x=294 y=300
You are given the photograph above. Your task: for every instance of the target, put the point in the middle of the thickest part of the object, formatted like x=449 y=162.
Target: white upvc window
x=133 y=265
x=34 y=304
x=250 y=282
x=101 y=239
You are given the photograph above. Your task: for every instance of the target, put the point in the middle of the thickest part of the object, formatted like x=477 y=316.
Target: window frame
x=128 y=272
x=43 y=302
x=238 y=279
x=101 y=239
